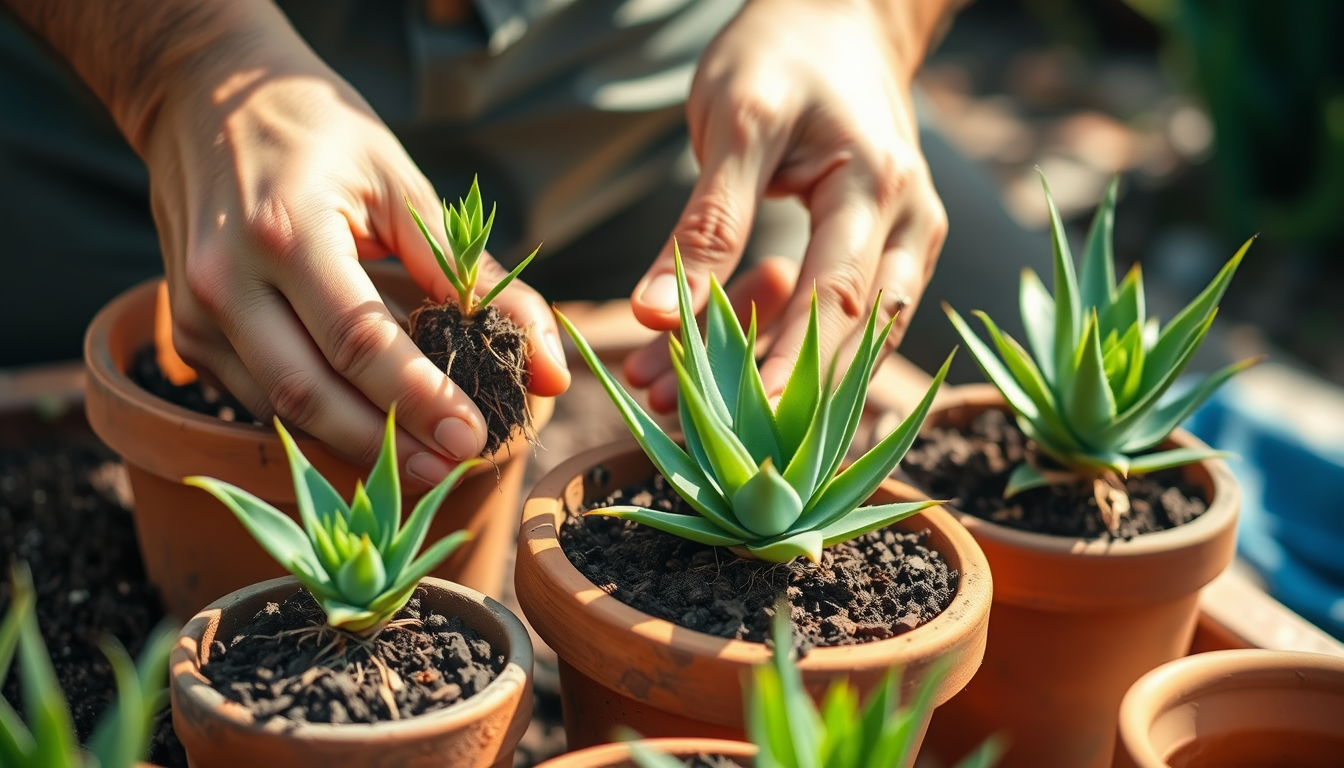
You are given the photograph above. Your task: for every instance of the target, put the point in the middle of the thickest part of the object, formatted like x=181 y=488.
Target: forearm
x=134 y=54
x=914 y=27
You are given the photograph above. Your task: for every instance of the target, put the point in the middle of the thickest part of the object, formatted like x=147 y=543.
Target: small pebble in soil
x=970 y=469
x=286 y=663
x=875 y=587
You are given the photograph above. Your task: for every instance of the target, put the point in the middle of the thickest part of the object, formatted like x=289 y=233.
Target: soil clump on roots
x=485 y=355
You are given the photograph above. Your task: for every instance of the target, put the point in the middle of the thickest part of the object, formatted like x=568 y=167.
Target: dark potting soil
x=64 y=511
x=287 y=663
x=486 y=356
x=194 y=397
x=877 y=586
x=971 y=469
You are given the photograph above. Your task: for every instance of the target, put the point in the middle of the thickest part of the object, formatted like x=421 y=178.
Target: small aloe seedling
x=790 y=732
x=468 y=230
x=766 y=482
x=356 y=559
x=121 y=738
x=1090 y=390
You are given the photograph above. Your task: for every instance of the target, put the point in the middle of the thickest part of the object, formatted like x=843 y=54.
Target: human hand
x=800 y=97
x=270 y=179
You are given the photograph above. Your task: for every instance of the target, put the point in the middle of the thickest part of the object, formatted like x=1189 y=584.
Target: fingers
x=362 y=353
x=768 y=286
x=849 y=230
x=716 y=223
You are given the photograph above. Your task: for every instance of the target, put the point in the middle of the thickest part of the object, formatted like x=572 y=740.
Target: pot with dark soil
x=1100 y=519
x=661 y=600
x=259 y=679
x=193 y=549
x=355 y=661
x=1236 y=709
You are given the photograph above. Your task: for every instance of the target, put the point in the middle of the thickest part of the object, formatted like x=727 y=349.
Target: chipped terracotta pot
x=478 y=732
x=619 y=666
x=618 y=755
x=1076 y=622
x=1236 y=709
x=194 y=549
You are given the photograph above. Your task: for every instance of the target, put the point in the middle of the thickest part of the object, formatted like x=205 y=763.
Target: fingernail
x=554 y=348
x=458 y=438
x=660 y=294
x=427 y=468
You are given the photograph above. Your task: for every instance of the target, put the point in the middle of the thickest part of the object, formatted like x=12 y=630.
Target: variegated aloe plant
x=1090 y=392
x=356 y=559
x=767 y=482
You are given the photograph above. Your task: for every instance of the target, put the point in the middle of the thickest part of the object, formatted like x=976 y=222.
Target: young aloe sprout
x=1090 y=390
x=468 y=230
x=766 y=482
x=121 y=738
x=356 y=559
x=789 y=731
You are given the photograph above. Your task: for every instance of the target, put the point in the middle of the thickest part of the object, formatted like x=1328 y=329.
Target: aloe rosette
x=1091 y=390
x=357 y=560
x=767 y=482
x=468 y=231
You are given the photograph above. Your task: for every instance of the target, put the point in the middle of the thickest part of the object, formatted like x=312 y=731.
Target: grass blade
x=504 y=281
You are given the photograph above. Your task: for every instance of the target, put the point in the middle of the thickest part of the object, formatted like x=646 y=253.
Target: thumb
x=711 y=234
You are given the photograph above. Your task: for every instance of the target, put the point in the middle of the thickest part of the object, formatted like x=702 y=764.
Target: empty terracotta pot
x=1236 y=709
x=618 y=755
x=479 y=732
x=619 y=666
x=194 y=549
x=1076 y=622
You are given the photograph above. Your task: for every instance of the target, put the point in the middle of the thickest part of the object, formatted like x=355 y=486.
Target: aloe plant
x=790 y=732
x=767 y=482
x=468 y=230
x=47 y=740
x=356 y=559
x=1090 y=392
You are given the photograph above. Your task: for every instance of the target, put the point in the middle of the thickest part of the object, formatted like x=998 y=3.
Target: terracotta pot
x=194 y=549
x=1076 y=622
x=618 y=755
x=479 y=732
x=1236 y=709
x=619 y=666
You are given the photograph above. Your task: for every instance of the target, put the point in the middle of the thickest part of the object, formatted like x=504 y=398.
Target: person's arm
x=808 y=98
x=269 y=178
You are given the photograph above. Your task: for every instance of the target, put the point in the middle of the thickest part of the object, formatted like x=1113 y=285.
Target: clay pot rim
x=970 y=605
x=1188 y=679
x=186 y=681
x=107 y=381
x=1221 y=513
x=606 y=755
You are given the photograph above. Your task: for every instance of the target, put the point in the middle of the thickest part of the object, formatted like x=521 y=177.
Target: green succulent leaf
x=753 y=421
x=686 y=526
x=507 y=279
x=1097 y=279
x=122 y=737
x=725 y=347
x=53 y=732
x=1089 y=405
x=1128 y=308
x=399 y=590
x=1038 y=317
x=448 y=270
x=866 y=519
x=766 y=504
x=729 y=460
x=1024 y=477
x=696 y=358
x=280 y=536
x=313 y=495
x=383 y=490
x=1160 y=423
x=411 y=537
x=362 y=577
x=806 y=543
x=847 y=403
x=684 y=475
x=1022 y=369
x=1068 y=311
x=802 y=394
x=1177 y=457
x=994 y=370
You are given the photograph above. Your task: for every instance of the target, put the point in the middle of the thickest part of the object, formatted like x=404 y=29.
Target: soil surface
x=486 y=356
x=877 y=586
x=971 y=470
x=286 y=662
x=63 y=510
x=194 y=397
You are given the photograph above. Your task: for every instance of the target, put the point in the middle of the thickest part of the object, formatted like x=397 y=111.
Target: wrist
x=911 y=28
